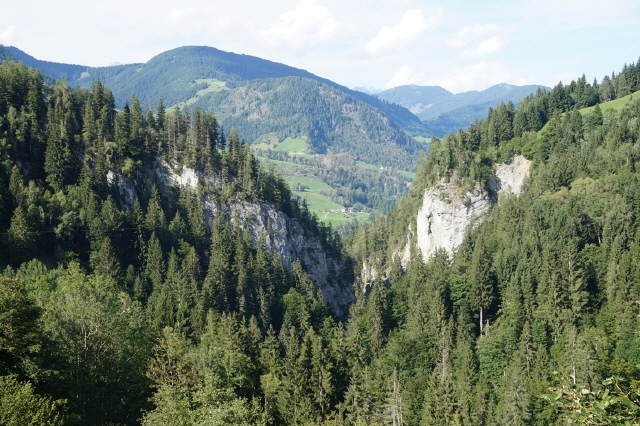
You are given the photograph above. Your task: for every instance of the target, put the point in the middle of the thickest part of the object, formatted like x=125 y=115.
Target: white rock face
x=444 y=216
x=282 y=234
x=187 y=178
x=368 y=272
x=441 y=224
x=511 y=176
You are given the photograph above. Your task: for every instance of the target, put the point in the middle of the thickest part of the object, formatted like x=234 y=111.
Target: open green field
x=614 y=104
x=304 y=184
x=214 y=85
x=368 y=166
x=292 y=145
x=405 y=173
x=338 y=218
x=268 y=141
x=319 y=203
x=310 y=183
x=285 y=168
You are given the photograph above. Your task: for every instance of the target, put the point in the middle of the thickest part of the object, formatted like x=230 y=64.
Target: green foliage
x=122 y=259
x=330 y=182
x=21 y=406
x=196 y=385
x=292 y=104
x=543 y=283
x=127 y=306
x=100 y=342
x=615 y=404
x=303 y=108
x=21 y=339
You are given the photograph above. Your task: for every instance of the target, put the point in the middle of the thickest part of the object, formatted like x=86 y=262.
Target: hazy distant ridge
x=444 y=112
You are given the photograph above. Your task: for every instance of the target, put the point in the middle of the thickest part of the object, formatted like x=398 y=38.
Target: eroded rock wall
x=445 y=215
x=282 y=234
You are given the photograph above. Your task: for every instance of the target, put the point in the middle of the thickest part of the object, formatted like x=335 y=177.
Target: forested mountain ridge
x=121 y=226
x=269 y=104
x=177 y=75
x=149 y=316
x=332 y=122
x=534 y=318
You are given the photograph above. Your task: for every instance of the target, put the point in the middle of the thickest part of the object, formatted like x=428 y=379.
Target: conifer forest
x=154 y=271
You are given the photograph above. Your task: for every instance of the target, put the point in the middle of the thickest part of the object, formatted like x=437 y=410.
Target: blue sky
x=460 y=45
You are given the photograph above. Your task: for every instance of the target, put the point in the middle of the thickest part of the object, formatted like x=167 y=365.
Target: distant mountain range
x=288 y=112
x=197 y=75
x=444 y=112
x=184 y=75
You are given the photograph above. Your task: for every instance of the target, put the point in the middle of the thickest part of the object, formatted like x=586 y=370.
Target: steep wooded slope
x=271 y=102
x=331 y=120
x=543 y=283
x=118 y=226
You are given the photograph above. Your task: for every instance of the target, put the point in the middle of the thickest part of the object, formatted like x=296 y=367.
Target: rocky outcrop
x=445 y=215
x=282 y=234
x=286 y=237
x=510 y=177
x=125 y=187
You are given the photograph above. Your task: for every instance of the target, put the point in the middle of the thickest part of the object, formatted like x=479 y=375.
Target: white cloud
x=226 y=22
x=478 y=76
x=7 y=34
x=484 y=48
x=577 y=14
x=307 y=25
x=407 y=75
x=564 y=76
x=471 y=34
x=474 y=77
x=179 y=15
x=402 y=34
x=478 y=40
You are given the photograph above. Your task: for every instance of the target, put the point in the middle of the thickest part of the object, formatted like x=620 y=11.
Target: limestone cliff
x=510 y=177
x=282 y=234
x=445 y=215
x=286 y=237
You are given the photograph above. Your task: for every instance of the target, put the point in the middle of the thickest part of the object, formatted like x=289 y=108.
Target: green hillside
x=269 y=104
x=174 y=76
x=534 y=320
x=128 y=300
x=293 y=116
x=331 y=183
x=330 y=121
x=615 y=104
x=109 y=271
